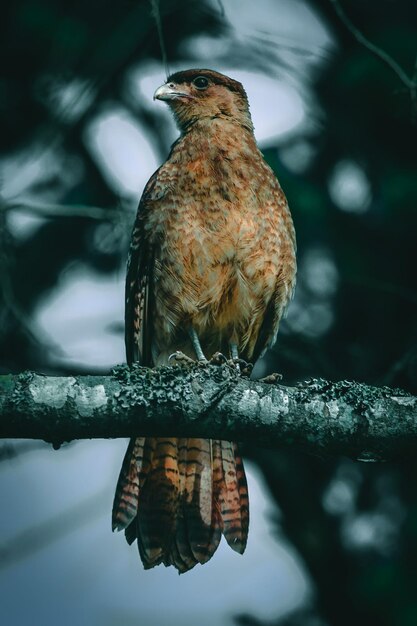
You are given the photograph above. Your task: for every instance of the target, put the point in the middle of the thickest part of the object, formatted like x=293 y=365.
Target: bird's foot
x=179 y=358
x=238 y=365
x=218 y=359
x=271 y=379
x=241 y=366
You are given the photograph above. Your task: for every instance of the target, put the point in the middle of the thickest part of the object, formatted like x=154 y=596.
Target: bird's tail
x=178 y=496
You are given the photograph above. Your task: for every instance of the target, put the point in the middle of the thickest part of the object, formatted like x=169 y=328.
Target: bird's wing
x=138 y=294
x=284 y=281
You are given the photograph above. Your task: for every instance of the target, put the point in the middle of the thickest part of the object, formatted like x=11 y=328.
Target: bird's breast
x=212 y=263
x=218 y=234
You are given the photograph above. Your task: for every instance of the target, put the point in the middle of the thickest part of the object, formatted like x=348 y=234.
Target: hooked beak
x=169 y=91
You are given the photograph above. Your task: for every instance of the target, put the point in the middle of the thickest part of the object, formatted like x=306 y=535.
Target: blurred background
x=332 y=542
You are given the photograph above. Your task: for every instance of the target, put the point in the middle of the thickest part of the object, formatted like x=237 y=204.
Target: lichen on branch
x=318 y=416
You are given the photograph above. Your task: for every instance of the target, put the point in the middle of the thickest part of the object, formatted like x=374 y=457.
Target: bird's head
x=195 y=95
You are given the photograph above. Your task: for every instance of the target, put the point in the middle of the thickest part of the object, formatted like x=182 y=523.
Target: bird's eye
x=201 y=82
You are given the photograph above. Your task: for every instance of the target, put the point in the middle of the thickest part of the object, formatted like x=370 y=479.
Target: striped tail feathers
x=231 y=493
x=181 y=554
x=216 y=517
x=177 y=497
x=144 y=466
x=125 y=504
x=199 y=523
x=201 y=518
x=157 y=515
x=183 y=563
x=243 y=494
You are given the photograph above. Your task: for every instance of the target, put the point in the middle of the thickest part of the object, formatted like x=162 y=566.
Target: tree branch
x=42 y=209
x=410 y=83
x=324 y=418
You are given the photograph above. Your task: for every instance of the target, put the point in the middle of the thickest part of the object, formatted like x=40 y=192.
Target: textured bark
x=321 y=417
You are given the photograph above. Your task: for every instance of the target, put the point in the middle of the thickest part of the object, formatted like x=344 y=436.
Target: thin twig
x=7 y=296
x=157 y=17
x=221 y=8
x=35 y=538
x=410 y=83
x=9 y=451
x=63 y=210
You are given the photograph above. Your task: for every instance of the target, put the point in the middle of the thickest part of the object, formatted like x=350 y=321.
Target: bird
x=211 y=268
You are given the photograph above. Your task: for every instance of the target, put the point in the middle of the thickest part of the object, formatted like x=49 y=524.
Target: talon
x=246 y=370
x=218 y=359
x=180 y=358
x=243 y=363
x=242 y=366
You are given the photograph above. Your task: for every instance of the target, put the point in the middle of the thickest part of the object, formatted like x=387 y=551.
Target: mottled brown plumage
x=212 y=261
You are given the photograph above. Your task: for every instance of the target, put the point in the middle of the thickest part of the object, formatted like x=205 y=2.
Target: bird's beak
x=169 y=92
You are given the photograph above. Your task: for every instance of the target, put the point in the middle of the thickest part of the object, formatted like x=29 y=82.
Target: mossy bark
x=321 y=417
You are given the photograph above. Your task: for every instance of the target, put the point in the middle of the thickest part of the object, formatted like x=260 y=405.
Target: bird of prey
x=211 y=269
